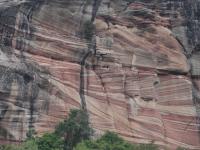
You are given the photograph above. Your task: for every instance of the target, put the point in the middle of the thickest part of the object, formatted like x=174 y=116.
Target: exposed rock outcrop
x=134 y=65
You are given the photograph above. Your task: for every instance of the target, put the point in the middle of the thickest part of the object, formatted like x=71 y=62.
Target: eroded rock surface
x=134 y=65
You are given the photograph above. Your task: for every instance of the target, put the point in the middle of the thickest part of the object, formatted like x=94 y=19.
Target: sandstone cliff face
x=136 y=69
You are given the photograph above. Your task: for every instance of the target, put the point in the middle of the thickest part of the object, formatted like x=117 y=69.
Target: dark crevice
x=95 y=8
x=183 y=47
x=82 y=80
x=172 y=72
x=91 y=51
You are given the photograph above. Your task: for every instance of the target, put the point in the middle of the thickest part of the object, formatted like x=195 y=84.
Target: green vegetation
x=111 y=141
x=74 y=129
x=74 y=134
x=50 y=141
x=28 y=145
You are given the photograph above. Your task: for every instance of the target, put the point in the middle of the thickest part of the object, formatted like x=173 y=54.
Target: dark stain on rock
x=27 y=76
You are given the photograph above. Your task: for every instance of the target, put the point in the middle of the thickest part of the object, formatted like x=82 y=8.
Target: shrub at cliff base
x=111 y=141
x=28 y=145
x=50 y=141
x=74 y=129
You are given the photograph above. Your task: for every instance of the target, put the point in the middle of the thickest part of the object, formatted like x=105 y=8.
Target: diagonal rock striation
x=133 y=65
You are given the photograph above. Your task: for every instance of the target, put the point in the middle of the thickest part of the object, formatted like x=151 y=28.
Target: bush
x=50 y=141
x=111 y=141
x=74 y=129
x=7 y=147
x=28 y=145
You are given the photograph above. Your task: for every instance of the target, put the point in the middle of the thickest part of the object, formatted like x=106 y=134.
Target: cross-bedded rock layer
x=137 y=73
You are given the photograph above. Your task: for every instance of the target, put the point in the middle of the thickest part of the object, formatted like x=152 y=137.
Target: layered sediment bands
x=141 y=105
x=138 y=73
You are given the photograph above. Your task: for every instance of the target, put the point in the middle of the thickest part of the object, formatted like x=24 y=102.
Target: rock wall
x=133 y=64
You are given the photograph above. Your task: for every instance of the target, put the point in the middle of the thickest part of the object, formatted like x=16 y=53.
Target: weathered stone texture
x=138 y=75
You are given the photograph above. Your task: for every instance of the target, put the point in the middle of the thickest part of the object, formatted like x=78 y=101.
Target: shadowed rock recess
x=134 y=65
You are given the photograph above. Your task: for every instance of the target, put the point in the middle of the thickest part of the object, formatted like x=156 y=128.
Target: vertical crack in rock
x=90 y=51
x=82 y=81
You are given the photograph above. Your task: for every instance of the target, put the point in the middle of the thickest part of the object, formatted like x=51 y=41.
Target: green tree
x=74 y=129
x=50 y=141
